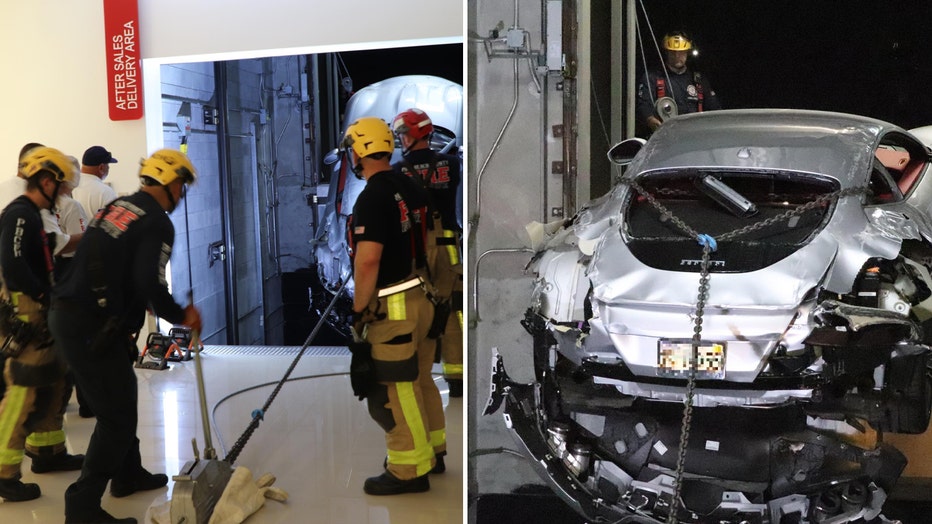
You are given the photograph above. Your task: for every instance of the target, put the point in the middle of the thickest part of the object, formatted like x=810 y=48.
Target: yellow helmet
x=369 y=135
x=167 y=165
x=48 y=159
x=677 y=41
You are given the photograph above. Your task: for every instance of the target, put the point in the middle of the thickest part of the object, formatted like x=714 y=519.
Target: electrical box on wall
x=211 y=116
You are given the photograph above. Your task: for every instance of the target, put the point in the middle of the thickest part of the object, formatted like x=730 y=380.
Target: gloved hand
x=366 y=316
x=243 y=497
x=192 y=318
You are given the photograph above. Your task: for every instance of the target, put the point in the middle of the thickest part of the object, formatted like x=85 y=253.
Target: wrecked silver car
x=442 y=99
x=725 y=336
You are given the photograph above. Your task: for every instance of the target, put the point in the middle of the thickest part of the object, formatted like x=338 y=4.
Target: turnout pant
x=406 y=402
x=447 y=277
x=109 y=384
x=33 y=407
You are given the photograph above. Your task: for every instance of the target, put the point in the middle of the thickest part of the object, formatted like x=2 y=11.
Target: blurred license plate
x=673 y=359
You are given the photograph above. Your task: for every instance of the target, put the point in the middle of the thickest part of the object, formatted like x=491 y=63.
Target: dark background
x=872 y=58
x=368 y=67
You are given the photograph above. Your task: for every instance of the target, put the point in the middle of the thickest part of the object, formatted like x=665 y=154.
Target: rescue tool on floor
x=209 y=490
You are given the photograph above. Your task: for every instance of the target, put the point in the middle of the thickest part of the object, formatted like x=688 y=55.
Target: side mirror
x=332 y=157
x=623 y=152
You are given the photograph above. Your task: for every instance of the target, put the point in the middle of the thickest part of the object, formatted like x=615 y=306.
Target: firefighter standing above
x=32 y=411
x=393 y=313
x=440 y=174
x=674 y=90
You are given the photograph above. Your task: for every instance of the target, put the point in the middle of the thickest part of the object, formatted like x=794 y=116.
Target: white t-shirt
x=93 y=194
x=68 y=220
x=71 y=218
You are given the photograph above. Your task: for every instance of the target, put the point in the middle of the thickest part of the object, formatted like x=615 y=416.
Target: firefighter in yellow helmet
x=392 y=311
x=32 y=410
x=98 y=308
x=673 y=90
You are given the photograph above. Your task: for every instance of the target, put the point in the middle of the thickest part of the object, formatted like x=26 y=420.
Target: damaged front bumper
x=612 y=458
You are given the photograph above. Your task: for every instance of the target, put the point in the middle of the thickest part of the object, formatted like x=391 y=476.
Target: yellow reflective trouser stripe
x=452 y=369
x=15 y=398
x=438 y=438
x=396 y=306
x=46 y=438
x=14 y=298
x=422 y=453
x=459 y=317
x=451 y=250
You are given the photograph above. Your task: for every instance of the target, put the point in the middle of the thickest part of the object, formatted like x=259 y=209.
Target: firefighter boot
x=455 y=387
x=99 y=517
x=143 y=481
x=439 y=466
x=13 y=490
x=62 y=461
x=388 y=484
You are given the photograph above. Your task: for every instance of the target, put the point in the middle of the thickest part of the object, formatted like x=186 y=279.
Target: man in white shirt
x=66 y=226
x=67 y=222
x=92 y=193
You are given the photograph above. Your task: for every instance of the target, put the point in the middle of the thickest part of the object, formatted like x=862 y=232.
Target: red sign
x=124 y=71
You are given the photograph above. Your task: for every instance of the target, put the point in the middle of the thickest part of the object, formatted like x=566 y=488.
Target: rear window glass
x=683 y=195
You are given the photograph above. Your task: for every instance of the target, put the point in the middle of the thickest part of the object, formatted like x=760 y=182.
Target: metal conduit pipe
x=474 y=318
x=474 y=220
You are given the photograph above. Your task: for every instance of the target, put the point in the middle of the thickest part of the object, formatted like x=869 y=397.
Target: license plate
x=673 y=359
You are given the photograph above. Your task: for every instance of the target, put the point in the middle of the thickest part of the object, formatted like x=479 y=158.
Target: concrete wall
x=197 y=220
x=519 y=165
x=54 y=89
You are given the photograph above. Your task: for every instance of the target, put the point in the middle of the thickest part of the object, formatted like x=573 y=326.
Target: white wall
x=52 y=56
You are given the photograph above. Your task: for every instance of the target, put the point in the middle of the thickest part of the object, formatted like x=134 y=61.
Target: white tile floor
x=317 y=439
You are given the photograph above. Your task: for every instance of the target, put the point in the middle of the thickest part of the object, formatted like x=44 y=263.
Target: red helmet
x=414 y=123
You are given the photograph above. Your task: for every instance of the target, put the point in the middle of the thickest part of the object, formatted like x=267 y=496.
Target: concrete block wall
x=498 y=291
x=198 y=220
x=270 y=181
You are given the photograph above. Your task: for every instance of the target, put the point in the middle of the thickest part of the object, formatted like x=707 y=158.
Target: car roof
x=837 y=145
x=442 y=99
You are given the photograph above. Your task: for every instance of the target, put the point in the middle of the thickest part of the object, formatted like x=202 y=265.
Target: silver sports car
x=726 y=335
x=442 y=99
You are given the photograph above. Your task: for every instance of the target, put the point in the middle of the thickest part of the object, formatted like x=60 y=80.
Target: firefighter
x=393 y=312
x=440 y=175
x=688 y=88
x=32 y=411
x=97 y=309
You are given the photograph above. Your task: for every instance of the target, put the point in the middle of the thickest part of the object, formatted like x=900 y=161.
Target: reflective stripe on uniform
x=459 y=318
x=396 y=306
x=452 y=369
x=47 y=438
x=422 y=453
x=12 y=409
x=438 y=438
x=451 y=249
x=14 y=299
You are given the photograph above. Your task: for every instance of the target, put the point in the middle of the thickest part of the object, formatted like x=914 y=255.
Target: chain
x=259 y=414
x=691 y=382
x=704 y=276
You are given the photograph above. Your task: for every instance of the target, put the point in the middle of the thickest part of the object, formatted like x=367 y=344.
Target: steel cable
x=258 y=415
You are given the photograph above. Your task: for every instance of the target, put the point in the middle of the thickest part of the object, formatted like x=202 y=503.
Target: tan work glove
x=243 y=497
